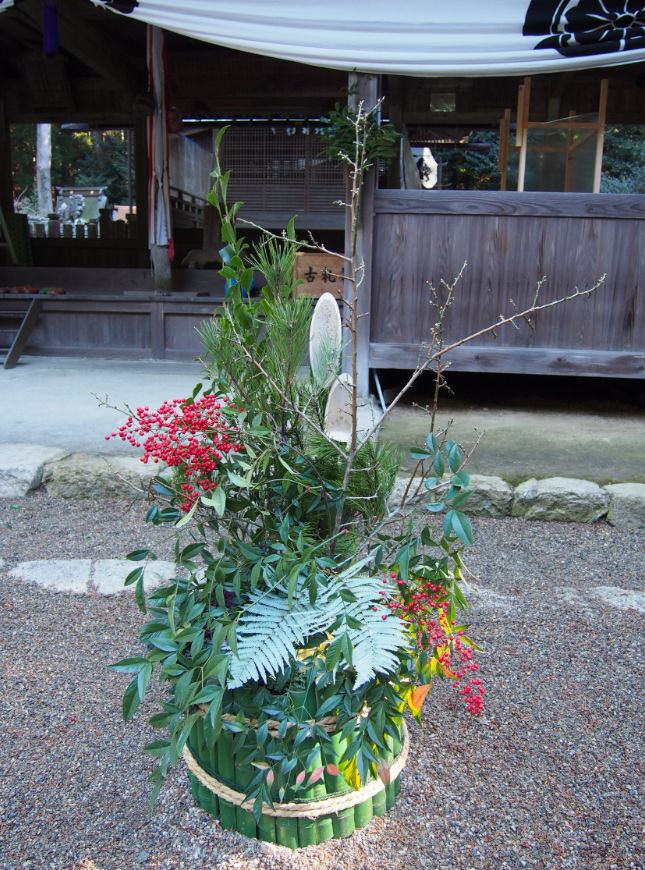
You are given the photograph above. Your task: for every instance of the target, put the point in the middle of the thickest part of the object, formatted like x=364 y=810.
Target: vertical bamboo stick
x=600 y=142
x=342 y=822
x=287 y=832
x=522 y=130
x=243 y=775
x=226 y=769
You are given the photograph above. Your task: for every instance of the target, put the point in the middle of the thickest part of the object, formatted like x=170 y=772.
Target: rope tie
x=311 y=810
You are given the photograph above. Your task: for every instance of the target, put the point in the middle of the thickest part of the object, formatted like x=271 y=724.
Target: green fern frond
x=269 y=634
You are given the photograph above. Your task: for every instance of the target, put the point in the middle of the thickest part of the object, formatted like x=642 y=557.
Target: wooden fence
x=510 y=241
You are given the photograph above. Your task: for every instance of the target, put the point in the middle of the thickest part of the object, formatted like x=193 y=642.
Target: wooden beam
x=613 y=206
x=141 y=172
x=504 y=138
x=26 y=328
x=6 y=179
x=519 y=360
x=81 y=39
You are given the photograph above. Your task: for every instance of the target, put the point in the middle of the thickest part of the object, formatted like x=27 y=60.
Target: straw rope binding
x=309 y=810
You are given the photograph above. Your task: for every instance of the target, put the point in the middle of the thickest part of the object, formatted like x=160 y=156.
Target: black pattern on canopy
x=585 y=27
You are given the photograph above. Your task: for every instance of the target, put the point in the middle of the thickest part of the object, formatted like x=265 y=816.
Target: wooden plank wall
x=510 y=241
x=116 y=327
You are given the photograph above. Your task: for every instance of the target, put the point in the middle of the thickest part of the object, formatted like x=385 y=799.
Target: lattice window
x=280 y=169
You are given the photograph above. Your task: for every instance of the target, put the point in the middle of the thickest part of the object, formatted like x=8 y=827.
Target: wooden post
x=365 y=86
x=502 y=159
x=141 y=173
x=6 y=180
x=524 y=99
x=395 y=112
x=600 y=142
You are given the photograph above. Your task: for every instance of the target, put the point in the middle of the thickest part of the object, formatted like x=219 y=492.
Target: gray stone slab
x=627 y=508
x=58 y=575
x=398 y=491
x=624 y=599
x=96 y=475
x=109 y=575
x=21 y=467
x=491 y=497
x=564 y=499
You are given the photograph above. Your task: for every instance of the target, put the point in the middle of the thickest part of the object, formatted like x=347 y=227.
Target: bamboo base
x=291 y=826
x=294 y=833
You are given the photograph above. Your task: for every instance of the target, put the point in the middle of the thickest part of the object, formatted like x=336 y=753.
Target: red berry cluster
x=425 y=610
x=194 y=437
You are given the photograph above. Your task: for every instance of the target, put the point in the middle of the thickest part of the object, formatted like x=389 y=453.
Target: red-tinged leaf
x=316 y=775
x=383 y=769
x=270 y=777
x=261 y=765
x=416 y=698
x=332 y=770
x=301 y=777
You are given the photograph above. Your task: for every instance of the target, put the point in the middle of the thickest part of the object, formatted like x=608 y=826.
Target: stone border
x=564 y=499
x=24 y=468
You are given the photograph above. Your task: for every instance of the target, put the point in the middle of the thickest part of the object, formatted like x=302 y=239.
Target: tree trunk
x=44 y=168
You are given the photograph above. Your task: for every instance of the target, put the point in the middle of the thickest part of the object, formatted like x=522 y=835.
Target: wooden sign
x=320 y=273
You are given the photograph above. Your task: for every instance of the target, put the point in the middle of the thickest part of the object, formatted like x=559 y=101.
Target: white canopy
x=412 y=37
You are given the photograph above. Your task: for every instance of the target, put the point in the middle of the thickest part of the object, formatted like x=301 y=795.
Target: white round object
x=338 y=413
x=325 y=334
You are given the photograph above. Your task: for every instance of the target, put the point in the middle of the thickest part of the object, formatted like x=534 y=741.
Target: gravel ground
x=551 y=776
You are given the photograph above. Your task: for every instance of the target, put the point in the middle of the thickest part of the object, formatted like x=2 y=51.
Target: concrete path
x=49 y=401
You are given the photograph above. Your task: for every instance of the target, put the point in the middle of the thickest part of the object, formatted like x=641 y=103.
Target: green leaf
x=131 y=700
x=347 y=595
x=129 y=666
x=431 y=442
x=439 y=464
x=293 y=585
x=215 y=712
x=156 y=788
x=246 y=279
x=454 y=458
x=403 y=561
x=291 y=229
x=460 y=524
x=224 y=187
x=436 y=507
x=140 y=595
x=190 y=552
x=420 y=453
x=219 y=139
x=157 y=747
x=461 y=499
x=217 y=501
x=142 y=680
x=462 y=479
x=237 y=480
x=138 y=555
x=207 y=694
x=185 y=520
x=133 y=576
x=231 y=637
